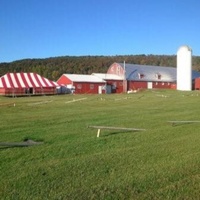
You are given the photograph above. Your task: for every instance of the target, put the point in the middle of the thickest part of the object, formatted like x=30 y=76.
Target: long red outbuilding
x=83 y=84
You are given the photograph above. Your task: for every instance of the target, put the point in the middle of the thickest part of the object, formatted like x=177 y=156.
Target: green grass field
x=162 y=162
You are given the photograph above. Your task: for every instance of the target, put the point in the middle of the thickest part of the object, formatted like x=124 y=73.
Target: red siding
x=197 y=84
x=134 y=85
x=87 y=88
x=116 y=85
x=162 y=85
x=81 y=87
x=64 y=80
x=116 y=69
x=173 y=86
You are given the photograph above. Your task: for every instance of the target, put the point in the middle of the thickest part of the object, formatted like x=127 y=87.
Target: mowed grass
x=162 y=162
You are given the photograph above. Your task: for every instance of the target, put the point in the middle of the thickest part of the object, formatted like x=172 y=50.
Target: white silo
x=184 y=68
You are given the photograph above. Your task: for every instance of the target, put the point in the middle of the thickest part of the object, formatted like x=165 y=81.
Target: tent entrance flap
x=30 y=90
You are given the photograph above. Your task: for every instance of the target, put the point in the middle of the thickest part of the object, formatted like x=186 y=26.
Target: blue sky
x=50 y=28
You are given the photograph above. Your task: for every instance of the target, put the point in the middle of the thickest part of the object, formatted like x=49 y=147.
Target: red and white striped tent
x=19 y=84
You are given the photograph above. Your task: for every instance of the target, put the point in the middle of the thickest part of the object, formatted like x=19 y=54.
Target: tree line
x=54 y=67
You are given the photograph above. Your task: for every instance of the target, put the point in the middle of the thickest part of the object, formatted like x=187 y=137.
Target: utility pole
x=124 y=80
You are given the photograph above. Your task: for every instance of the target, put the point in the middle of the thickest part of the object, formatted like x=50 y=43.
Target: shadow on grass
x=116 y=133
x=181 y=124
x=11 y=147
x=25 y=143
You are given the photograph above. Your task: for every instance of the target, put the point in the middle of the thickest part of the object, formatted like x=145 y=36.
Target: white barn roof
x=107 y=76
x=25 y=80
x=84 y=78
x=151 y=73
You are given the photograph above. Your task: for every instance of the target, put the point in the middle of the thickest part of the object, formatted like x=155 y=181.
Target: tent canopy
x=25 y=80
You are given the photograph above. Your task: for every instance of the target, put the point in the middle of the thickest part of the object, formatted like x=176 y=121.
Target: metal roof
x=84 y=78
x=195 y=74
x=152 y=73
x=25 y=80
x=107 y=76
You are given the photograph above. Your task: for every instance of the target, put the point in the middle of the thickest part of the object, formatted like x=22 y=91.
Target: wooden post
x=98 y=132
x=114 y=128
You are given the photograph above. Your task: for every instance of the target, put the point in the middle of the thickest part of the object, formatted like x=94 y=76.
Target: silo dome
x=184 y=68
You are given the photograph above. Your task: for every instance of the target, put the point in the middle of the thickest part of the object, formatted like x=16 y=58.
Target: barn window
x=79 y=86
x=158 y=76
x=140 y=76
x=91 y=86
x=156 y=83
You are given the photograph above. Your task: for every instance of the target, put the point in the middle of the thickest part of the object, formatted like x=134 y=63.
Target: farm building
x=146 y=76
x=197 y=83
x=114 y=83
x=21 y=84
x=121 y=77
x=83 y=84
x=143 y=76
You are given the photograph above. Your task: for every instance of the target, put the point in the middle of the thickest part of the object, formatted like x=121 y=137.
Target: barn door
x=100 y=89
x=149 y=85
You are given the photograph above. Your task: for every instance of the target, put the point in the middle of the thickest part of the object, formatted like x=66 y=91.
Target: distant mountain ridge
x=54 y=67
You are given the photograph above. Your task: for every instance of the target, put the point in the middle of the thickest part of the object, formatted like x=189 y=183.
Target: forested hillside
x=54 y=67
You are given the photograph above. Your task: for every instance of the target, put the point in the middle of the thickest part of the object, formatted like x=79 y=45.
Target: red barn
x=144 y=76
x=197 y=84
x=148 y=76
x=21 y=84
x=83 y=84
x=114 y=83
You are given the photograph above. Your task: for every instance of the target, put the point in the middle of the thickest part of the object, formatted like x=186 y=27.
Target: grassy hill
x=72 y=163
